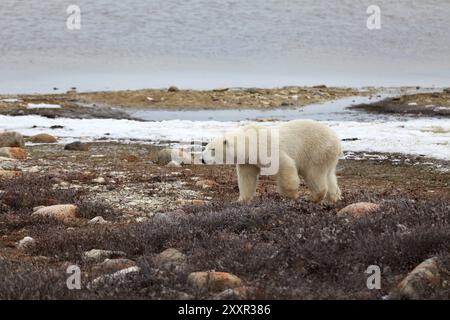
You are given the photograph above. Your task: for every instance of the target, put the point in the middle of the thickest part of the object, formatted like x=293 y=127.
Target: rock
x=239 y=293
x=419 y=283
x=167 y=155
x=213 y=281
x=173 y=164
x=206 y=184
x=25 y=243
x=13 y=152
x=173 y=89
x=100 y=255
x=447 y=90
x=11 y=139
x=359 y=209
x=97 y=220
x=170 y=259
x=62 y=212
x=34 y=169
x=132 y=158
x=114 y=265
x=112 y=279
x=43 y=138
x=9 y=174
x=99 y=180
x=77 y=146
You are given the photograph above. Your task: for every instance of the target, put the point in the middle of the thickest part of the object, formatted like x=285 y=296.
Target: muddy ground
x=422 y=104
x=279 y=248
x=111 y=104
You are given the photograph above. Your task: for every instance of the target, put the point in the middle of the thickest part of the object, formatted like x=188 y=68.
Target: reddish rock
x=206 y=184
x=9 y=173
x=13 y=152
x=132 y=158
x=214 y=281
x=359 y=209
x=43 y=138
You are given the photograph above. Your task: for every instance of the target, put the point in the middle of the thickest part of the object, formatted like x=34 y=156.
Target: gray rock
x=112 y=279
x=114 y=265
x=170 y=259
x=173 y=89
x=77 y=146
x=100 y=255
x=420 y=283
x=97 y=220
x=173 y=156
x=25 y=243
x=11 y=139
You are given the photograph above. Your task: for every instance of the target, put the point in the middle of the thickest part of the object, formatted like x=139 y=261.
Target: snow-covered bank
x=425 y=136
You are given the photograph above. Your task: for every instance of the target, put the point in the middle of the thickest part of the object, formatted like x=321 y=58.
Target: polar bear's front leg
x=247 y=175
x=287 y=177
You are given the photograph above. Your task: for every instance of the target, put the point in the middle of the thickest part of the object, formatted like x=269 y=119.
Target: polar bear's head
x=249 y=145
x=222 y=150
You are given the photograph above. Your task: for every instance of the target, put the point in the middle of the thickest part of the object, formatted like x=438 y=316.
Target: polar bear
x=303 y=148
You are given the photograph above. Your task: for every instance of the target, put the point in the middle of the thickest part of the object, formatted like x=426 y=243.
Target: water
x=335 y=110
x=132 y=44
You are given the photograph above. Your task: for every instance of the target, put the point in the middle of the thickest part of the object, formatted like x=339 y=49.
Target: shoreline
x=111 y=104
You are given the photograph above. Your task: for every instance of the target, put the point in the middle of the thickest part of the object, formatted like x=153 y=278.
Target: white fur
x=306 y=148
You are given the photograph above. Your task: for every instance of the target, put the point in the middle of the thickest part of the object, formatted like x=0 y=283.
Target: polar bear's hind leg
x=287 y=178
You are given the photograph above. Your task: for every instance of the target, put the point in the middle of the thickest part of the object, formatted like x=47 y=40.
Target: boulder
x=13 y=153
x=420 y=283
x=43 y=138
x=213 y=281
x=9 y=173
x=170 y=259
x=62 y=212
x=359 y=209
x=77 y=146
x=173 y=89
x=167 y=155
x=101 y=255
x=11 y=139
